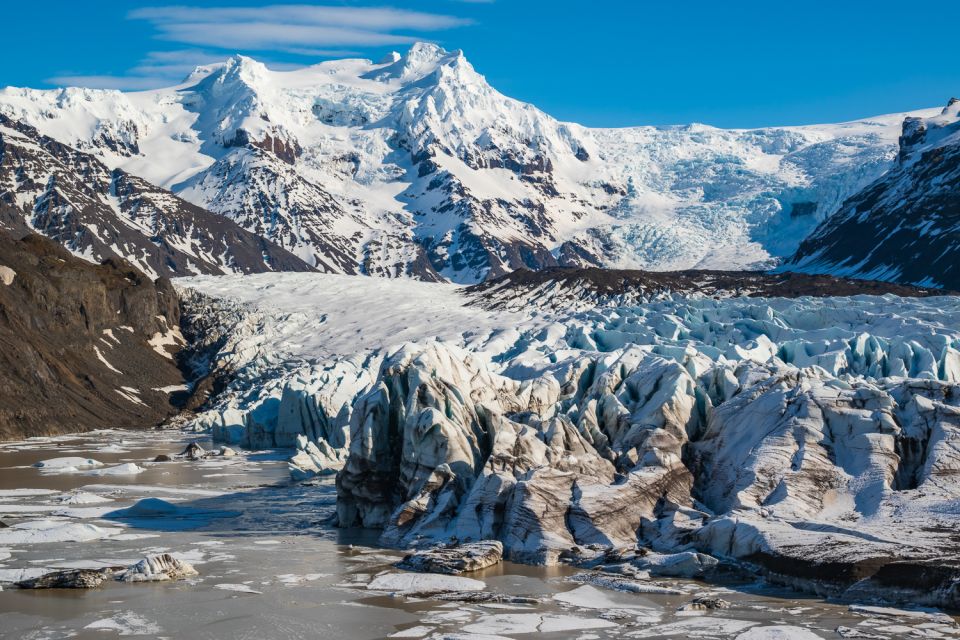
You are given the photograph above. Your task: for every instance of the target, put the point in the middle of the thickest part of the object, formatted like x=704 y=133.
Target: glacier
x=815 y=441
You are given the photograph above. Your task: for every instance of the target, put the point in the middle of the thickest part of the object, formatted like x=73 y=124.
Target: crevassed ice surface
x=787 y=428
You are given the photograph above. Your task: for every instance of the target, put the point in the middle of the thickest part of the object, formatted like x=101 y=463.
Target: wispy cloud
x=300 y=31
x=156 y=69
x=108 y=82
x=289 y=28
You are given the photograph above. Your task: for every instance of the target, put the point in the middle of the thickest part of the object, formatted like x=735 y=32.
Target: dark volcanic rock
x=905 y=227
x=74 y=342
x=560 y=287
x=194 y=451
x=69 y=579
x=455 y=559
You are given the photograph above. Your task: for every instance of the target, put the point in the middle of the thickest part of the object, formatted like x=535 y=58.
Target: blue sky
x=601 y=63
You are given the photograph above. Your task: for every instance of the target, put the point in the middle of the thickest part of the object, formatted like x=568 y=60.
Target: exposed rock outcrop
x=905 y=227
x=83 y=346
x=454 y=559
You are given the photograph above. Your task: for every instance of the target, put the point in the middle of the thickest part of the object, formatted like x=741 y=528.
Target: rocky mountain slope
x=100 y=213
x=583 y=289
x=905 y=227
x=82 y=346
x=416 y=166
x=812 y=440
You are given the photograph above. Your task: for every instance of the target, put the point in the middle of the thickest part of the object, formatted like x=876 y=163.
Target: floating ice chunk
x=782 y=632
x=506 y=623
x=422 y=584
x=706 y=627
x=239 y=588
x=22 y=509
x=48 y=531
x=127 y=623
x=82 y=497
x=621 y=583
x=26 y=493
x=158 y=568
x=534 y=623
x=67 y=464
x=161 y=514
x=112 y=448
x=556 y=623
x=891 y=612
x=412 y=632
x=18 y=575
x=589 y=597
x=126 y=469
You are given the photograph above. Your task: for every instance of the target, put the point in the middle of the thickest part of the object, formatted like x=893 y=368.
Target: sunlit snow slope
x=415 y=166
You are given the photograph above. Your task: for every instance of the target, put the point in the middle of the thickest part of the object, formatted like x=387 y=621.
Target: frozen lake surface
x=271 y=565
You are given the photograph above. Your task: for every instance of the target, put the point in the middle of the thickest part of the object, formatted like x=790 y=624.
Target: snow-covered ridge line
x=415 y=166
x=100 y=213
x=781 y=433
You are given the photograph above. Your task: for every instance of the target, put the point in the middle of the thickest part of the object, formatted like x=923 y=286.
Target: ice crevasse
x=751 y=429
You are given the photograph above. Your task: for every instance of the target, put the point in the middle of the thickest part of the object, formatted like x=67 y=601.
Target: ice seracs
x=794 y=437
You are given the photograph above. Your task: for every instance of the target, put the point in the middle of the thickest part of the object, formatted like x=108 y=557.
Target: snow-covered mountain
x=99 y=213
x=416 y=166
x=904 y=227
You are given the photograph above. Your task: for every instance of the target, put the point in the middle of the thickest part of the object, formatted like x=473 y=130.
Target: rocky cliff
x=905 y=227
x=82 y=346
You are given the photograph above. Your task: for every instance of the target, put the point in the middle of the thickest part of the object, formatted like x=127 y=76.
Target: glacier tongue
x=803 y=437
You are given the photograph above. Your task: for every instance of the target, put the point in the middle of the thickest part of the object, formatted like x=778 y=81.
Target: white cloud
x=292 y=27
x=107 y=82
x=308 y=31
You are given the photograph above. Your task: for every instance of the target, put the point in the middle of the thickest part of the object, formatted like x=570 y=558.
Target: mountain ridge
x=99 y=213
x=417 y=167
x=905 y=226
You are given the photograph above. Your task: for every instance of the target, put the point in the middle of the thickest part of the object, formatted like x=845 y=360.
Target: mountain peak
x=421 y=52
x=244 y=68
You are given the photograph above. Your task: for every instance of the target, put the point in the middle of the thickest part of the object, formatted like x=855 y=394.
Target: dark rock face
x=905 y=227
x=100 y=213
x=605 y=287
x=74 y=342
x=69 y=579
x=455 y=559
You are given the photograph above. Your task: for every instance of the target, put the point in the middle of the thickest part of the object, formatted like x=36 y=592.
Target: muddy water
x=272 y=567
